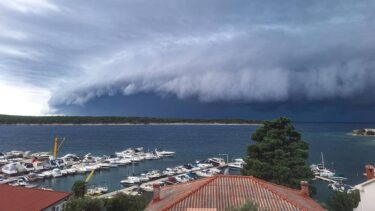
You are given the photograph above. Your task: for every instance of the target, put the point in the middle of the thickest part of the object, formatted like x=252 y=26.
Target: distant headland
x=364 y=132
x=114 y=120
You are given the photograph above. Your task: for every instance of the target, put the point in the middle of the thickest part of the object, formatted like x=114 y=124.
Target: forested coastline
x=11 y=119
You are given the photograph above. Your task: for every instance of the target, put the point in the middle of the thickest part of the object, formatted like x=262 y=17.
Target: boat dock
x=129 y=190
x=325 y=179
x=126 y=190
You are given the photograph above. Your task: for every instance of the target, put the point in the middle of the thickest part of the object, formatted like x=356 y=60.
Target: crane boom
x=89 y=176
x=57 y=146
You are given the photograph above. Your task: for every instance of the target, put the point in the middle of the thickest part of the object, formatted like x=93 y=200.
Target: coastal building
x=31 y=199
x=367 y=191
x=224 y=192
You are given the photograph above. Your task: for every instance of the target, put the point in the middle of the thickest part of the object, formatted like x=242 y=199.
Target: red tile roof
x=28 y=199
x=226 y=192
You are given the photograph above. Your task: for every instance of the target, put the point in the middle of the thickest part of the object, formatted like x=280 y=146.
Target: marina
x=335 y=180
x=25 y=168
x=21 y=168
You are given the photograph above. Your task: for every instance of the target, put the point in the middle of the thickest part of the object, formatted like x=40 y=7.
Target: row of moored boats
x=21 y=168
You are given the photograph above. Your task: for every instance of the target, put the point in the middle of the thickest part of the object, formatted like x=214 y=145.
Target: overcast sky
x=188 y=58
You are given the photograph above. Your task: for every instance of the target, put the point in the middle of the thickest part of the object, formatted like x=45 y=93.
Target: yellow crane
x=56 y=146
x=89 y=176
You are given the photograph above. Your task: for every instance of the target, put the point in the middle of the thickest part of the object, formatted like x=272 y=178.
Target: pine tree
x=279 y=155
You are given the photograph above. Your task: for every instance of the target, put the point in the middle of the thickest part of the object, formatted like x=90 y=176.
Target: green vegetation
x=278 y=155
x=342 y=201
x=364 y=132
x=9 y=119
x=248 y=206
x=85 y=204
x=118 y=202
x=125 y=202
x=79 y=189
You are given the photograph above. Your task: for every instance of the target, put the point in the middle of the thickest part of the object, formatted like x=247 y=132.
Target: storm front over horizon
x=309 y=60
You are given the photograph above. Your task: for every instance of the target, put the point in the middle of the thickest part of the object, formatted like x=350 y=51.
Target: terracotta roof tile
x=225 y=192
x=28 y=199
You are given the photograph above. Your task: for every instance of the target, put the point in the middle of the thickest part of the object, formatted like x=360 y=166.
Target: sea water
x=343 y=152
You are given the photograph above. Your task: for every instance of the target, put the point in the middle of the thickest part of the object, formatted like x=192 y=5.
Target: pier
x=129 y=190
x=325 y=179
x=126 y=190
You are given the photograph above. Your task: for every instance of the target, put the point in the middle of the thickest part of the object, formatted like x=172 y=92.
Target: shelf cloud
x=212 y=51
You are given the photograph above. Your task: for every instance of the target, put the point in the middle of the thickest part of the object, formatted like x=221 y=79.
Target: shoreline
x=128 y=124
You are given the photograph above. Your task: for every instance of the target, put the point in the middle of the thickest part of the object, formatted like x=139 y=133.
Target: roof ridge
x=34 y=189
x=179 y=199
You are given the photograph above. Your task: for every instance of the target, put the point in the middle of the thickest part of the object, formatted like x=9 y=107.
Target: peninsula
x=114 y=120
x=364 y=132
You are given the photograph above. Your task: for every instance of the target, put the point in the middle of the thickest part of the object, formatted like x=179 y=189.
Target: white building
x=367 y=191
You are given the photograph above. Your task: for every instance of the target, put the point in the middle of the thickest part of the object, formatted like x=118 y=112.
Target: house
x=367 y=191
x=31 y=199
x=224 y=192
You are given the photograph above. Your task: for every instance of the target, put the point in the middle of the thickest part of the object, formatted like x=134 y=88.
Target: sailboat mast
x=322 y=159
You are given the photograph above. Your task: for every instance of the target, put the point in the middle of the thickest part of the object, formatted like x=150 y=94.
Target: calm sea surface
x=345 y=153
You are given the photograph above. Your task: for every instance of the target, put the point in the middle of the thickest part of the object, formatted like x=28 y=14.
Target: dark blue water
x=346 y=153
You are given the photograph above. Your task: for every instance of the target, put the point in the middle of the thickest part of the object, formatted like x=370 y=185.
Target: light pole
x=225 y=155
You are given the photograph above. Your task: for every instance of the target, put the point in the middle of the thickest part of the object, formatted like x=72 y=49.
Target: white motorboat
x=56 y=173
x=3 y=161
x=326 y=173
x=150 y=156
x=153 y=174
x=40 y=176
x=29 y=167
x=20 y=182
x=104 y=165
x=204 y=165
x=91 y=167
x=136 y=159
x=71 y=170
x=130 y=180
x=38 y=166
x=97 y=190
x=123 y=161
x=217 y=161
x=47 y=173
x=81 y=169
x=64 y=171
x=168 y=172
x=207 y=172
x=10 y=169
x=164 y=153
x=237 y=164
x=144 y=178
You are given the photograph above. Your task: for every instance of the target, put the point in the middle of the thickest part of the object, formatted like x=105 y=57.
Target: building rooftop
x=28 y=199
x=226 y=192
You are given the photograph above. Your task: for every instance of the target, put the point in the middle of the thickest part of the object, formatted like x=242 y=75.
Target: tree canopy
x=79 y=189
x=11 y=119
x=342 y=201
x=117 y=202
x=279 y=155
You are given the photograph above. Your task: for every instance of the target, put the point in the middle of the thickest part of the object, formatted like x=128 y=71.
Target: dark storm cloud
x=214 y=51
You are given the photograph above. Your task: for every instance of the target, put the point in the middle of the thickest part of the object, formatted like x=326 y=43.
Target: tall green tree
x=79 y=189
x=279 y=155
x=342 y=201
